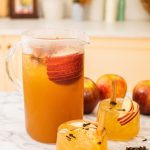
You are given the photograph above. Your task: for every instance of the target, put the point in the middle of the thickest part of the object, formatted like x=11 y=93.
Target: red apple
x=91 y=95
x=104 y=84
x=141 y=94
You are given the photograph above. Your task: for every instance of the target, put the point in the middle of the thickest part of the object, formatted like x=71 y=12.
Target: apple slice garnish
x=64 y=69
x=132 y=115
x=127 y=106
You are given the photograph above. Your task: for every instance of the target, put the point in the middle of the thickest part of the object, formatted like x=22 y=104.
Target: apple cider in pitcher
x=53 y=87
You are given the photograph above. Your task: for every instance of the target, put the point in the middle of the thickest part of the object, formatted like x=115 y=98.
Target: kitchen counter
x=13 y=135
x=98 y=29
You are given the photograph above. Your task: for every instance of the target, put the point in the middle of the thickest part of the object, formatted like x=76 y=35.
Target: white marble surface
x=131 y=29
x=13 y=135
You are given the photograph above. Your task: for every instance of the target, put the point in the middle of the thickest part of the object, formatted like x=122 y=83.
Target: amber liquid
x=84 y=138
x=48 y=104
x=116 y=131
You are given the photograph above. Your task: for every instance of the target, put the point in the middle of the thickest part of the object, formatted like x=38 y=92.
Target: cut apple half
x=127 y=106
x=132 y=114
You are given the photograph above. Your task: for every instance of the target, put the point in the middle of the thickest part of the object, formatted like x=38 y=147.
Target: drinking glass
x=122 y=120
x=81 y=135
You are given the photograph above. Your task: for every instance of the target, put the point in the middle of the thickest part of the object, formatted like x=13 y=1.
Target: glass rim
x=106 y=109
x=53 y=34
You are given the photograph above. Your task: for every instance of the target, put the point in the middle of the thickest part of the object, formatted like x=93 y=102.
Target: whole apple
x=104 y=85
x=141 y=94
x=91 y=95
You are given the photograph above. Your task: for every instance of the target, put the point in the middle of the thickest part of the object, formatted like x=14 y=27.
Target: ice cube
x=77 y=124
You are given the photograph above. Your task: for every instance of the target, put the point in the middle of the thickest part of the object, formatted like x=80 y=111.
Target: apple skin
x=104 y=85
x=91 y=95
x=141 y=94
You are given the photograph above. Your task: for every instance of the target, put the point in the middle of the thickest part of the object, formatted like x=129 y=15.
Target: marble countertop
x=131 y=29
x=13 y=135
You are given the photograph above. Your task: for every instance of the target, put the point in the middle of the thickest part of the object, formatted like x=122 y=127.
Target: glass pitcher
x=52 y=70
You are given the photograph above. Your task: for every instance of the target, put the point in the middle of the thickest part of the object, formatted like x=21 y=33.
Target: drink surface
x=53 y=93
x=122 y=120
x=80 y=135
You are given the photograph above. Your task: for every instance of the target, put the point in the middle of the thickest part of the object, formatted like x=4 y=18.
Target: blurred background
x=119 y=31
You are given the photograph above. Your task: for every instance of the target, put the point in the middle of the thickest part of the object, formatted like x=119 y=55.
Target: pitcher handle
x=10 y=68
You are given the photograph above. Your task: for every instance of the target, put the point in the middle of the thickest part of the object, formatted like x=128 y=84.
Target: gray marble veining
x=14 y=137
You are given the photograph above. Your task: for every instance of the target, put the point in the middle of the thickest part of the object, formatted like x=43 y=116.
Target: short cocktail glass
x=122 y=121
x=80 y=135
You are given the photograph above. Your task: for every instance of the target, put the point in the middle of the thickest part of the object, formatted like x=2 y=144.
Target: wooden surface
x=127 y=57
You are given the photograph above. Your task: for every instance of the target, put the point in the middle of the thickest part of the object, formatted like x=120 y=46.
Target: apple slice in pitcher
x=64 y=69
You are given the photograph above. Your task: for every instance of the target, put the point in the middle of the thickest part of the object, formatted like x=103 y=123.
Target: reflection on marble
x=13 y=135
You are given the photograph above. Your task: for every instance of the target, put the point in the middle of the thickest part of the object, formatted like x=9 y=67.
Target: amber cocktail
x=122 y=118
x=80 y=135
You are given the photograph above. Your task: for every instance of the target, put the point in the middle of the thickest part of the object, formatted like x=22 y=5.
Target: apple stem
x=113 y=96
